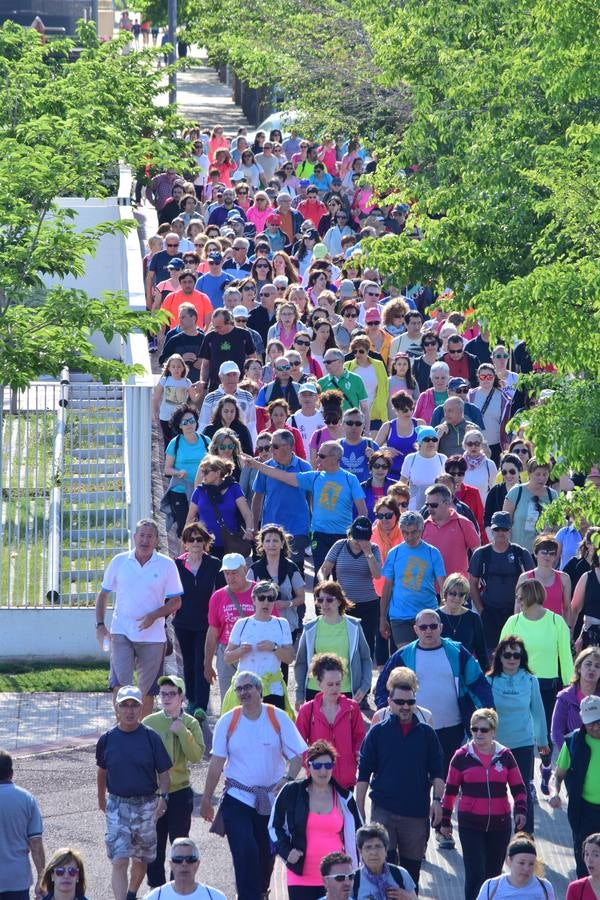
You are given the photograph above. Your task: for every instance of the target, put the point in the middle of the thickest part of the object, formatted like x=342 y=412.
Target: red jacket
x=472 y=498
x=346 y=734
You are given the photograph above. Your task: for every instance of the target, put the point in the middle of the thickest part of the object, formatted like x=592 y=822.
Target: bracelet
x=437 y=799
x=99 y=624
x=370 y=556
x=164 y=797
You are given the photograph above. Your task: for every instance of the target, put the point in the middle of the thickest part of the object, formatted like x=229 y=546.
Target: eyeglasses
x=282 y=368
x=430 y=440
x=456 y=593
x=249 y=287
x=317 y=766
x=168 y=245
x=184 y=859
x=387 y=516
x=168 y=694
x=432 y=505
x=242 y=688
x=400 y=702
x=360 y=352
x=196 y=540
x=509 y=471
x=508 y=655
x=371 y=294
x=350 y=315
x=352 y=423
x=462 y=390
x=226 y=447
x=380 y=466
x=325 y=598
x=264 y=448
x=430 y=343
x=500 y=356
x=521 y=450
x=265 y=598
x=454 y=352
x=479 y=728
x=429 y=626
x=473 y=443
x=341 y=878
x=66 y=870
x=189 y=421
x=486 y=376
x=302 y=343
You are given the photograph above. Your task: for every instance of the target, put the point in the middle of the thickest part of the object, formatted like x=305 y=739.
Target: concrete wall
x=59 y=633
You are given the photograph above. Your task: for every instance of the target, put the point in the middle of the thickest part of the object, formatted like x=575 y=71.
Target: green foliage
x=54 y=676
x=505 y=139
x=64 y=126
x=580 y=503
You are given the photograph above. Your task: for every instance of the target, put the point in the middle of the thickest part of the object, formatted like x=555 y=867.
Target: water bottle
x=106 y=644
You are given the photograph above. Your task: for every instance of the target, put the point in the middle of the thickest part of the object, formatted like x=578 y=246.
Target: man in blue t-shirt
x=333 y=491
x=356 y=448
x=215 y=280
x=275 y=501
x=414 y=576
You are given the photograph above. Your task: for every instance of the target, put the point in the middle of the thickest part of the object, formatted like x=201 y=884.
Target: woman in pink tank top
x=557 y=583
x=310 y=819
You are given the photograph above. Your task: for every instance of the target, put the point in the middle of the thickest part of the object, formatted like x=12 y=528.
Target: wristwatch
x=437 y=799
x=164 y=797
x=275 y=647
x=99 y=624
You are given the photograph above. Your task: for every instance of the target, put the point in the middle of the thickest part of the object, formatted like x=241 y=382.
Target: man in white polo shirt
x=147 y=589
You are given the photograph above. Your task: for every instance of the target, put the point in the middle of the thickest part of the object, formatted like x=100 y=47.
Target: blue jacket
x=401 y=767
x=473 y=691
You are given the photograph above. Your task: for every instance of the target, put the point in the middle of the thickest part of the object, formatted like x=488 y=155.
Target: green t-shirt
x=333 y=639
x=591 y=782
x=351 y=386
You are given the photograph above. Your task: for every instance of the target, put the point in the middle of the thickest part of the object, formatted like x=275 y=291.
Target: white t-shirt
x=307 y=425
x=250 y=631
x=368 y=375
x=140 y=590
x=533 y=890
x=421 y=472
x=256 y=753
x=202 y=892
x=437 y=687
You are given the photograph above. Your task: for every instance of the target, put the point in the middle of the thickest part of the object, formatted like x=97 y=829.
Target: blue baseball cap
x=176 y=263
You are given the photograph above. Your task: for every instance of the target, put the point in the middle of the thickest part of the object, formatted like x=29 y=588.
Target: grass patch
x=53 y=676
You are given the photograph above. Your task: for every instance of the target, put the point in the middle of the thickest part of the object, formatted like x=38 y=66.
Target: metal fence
x=74 y=476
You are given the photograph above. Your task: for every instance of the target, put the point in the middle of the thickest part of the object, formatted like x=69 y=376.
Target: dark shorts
x=403 y=631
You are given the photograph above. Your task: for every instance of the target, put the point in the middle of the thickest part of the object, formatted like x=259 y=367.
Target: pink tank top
x=324 y=834
x=554 y=594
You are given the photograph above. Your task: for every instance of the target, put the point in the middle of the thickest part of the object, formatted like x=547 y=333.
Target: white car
x=283 y=120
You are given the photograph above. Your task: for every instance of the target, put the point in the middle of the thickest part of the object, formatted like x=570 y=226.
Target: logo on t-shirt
x=225 y=345
x=330 y=495
x=414 y=573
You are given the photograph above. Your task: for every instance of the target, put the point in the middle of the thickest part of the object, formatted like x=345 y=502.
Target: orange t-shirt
x=198 y=299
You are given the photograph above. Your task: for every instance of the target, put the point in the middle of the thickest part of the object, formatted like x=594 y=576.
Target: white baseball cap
x=238 y=312
x=228 y=367
x=589 y=709
x=129 y=692
x=232 y=561
x=308 y=388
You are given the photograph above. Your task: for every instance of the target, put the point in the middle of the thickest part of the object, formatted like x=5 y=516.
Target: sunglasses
x=486 y=377
x=295 y=363
x=454 y=352
x=322 y=455
x=456 y=593
x=500 y=356
x=456 y=473
x=463 y=390
x=66 y=870
x=547 y=551
x=249 y=287
x=400 y=702
x=168 y=245
x=350 y=315
x=430 y=440
x=387 y=516
x=429 y=626
x=473 y=443
x=264 y=448
x=196 y=540
x=262 y=266
x=317 y=766
x=509 y=471
x=508 y=655
x=432 y=505
x=520 y=450
x=479 y=728
x=341 y=878
x=380 y=466
x=302 y=343
x=188 y=421
x=282 y=368
x=352 y=422
x=184 y=859
x=430 y=343
x=226 y=447
x=265 y=598
x=325 y=598
x=377 y=322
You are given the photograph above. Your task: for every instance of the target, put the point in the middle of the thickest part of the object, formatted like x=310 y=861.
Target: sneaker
x=443 y=842
x=545 y=782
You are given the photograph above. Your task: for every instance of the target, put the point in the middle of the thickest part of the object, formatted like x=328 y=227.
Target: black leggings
x=548 y=689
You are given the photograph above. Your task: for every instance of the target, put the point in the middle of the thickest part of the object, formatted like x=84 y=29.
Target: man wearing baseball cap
x=157 y=267
x=132 y=765
x=229 y=377
x=578 y=765
x=215 y=280
x=458 y=387
x=183 y=741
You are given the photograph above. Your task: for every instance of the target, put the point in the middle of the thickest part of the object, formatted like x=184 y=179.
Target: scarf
x=387 y=541
x=474 y=462
x=379 y=883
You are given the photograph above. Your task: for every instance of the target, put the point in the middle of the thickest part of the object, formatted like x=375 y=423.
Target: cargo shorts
x=131 y=827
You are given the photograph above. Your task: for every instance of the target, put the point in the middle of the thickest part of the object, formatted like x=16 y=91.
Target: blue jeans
x=248 y=837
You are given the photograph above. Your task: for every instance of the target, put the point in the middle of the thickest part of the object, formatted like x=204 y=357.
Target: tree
x=503 y=150
x=64 y=125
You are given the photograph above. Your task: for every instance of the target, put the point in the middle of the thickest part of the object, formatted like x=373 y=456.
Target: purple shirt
x=227 y=508
x=566 y=716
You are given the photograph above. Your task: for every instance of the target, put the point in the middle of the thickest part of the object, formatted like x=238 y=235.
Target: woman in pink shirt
x=217 y=141
x=260 y=211
x=557 y=583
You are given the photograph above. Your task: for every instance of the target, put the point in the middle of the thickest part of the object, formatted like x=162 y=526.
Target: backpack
x=394 y=872
x=491 y=893
x=271 y=715
x=520 y=494
x=487 y=555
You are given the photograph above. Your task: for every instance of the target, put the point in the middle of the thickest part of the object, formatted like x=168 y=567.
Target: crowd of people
x=325 y=428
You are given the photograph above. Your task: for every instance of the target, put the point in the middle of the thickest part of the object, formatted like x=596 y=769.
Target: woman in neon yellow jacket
x=374 y=376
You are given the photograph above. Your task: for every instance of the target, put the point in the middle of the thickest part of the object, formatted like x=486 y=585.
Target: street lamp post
x=172 y=13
